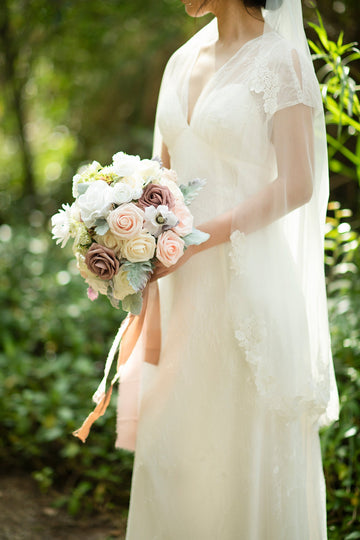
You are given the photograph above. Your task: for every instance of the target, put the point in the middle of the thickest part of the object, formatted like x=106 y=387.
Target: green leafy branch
x=341 y=99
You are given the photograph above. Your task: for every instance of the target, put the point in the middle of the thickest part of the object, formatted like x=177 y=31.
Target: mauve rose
x=154 y=195
x=102 y=261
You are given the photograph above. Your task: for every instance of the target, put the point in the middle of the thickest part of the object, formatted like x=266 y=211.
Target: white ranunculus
x=124 y=164
x=61 y=223
x=95 y=202
x=158 y=219
x=121 y=193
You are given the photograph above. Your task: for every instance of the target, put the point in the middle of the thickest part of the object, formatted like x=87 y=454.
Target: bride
x=227 y=443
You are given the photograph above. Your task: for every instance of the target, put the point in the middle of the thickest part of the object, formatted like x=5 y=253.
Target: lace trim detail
x=250 y=334
x=238 y=252
x=267 y=82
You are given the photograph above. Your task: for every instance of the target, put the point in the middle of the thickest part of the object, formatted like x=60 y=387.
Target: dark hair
x=252 y=3
x=261 y=3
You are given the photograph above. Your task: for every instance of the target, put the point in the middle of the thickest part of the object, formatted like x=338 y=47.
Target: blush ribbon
x=133 y=351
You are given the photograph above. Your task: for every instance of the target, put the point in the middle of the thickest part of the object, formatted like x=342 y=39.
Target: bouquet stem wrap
x=133 y=351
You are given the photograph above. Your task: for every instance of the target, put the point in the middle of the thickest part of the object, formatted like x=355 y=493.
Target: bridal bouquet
x=125 y=217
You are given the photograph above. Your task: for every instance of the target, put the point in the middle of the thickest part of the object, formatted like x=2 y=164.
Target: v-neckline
x=211 y=78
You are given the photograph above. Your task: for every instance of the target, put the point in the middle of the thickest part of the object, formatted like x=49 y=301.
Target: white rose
x=95 y=202
x=124 y=164
x=122 y=286
x=110 y=241
x=149 y=169
x=139 y=248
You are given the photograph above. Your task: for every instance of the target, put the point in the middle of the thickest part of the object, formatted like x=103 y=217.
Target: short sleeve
x=283 y=77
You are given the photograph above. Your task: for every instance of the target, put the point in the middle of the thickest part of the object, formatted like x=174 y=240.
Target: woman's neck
x=235 y=23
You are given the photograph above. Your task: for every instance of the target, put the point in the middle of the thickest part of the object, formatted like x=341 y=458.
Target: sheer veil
x=276 y=283
x=279 y=268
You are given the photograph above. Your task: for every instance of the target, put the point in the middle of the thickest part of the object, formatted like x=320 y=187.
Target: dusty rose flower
x=154 y=195
x=102 y=261
x=170 y=248
x=185 y=217
x=126 y=220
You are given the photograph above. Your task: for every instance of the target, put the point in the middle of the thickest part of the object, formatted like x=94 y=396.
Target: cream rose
x=126 y=221
x=91 y=279
x=170 y=247
x=134 y=183
x=140 y=248
x=122 y=286
x=110 y=241
x=186 y=220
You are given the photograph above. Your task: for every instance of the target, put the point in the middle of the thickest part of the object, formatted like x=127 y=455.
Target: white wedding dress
x=220 y=453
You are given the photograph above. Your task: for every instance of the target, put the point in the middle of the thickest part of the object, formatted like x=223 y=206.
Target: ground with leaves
x=27 y=514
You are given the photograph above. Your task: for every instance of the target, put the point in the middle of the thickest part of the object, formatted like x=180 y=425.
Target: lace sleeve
x=284 y=77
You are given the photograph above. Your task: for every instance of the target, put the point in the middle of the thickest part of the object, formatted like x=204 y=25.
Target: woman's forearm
x=254 y=213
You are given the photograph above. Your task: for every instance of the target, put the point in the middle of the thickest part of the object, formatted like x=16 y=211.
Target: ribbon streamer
x=148 y=323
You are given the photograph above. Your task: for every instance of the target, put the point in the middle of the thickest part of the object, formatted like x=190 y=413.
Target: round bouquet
x=125 y=217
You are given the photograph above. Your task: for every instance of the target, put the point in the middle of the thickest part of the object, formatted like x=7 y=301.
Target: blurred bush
x=341 y=441
x=53 y=343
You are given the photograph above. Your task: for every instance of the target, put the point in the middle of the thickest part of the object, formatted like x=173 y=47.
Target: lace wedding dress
x=228 y=445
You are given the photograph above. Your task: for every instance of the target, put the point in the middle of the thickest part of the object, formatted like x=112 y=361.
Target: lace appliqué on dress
x=238 y=252
x=250 y=334
x=266 y=82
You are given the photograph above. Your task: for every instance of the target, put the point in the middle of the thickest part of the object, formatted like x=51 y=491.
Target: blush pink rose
x=126 y=220
x=170 y=247
x=186 y=220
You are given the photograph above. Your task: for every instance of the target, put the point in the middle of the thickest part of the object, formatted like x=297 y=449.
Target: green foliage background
x=79 y=81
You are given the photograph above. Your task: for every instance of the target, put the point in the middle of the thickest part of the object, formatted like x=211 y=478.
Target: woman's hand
x=161 y=270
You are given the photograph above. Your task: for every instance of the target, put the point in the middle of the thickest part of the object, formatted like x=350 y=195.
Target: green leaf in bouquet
x=101 y=226
x=133 y=303
x=137 y=273
x=110 y=294
x=191 y=189
x=195 y=237
x=82 y=187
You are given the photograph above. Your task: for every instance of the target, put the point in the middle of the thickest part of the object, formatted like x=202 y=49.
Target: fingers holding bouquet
x=130 y=224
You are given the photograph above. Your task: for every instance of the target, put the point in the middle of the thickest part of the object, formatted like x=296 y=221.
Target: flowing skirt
x=212 y=462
